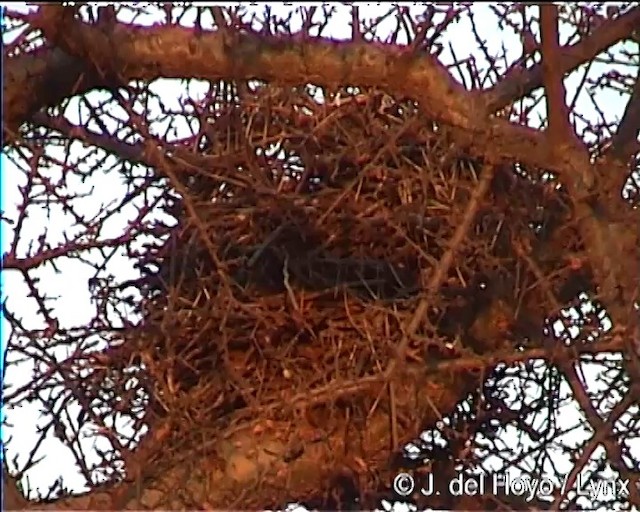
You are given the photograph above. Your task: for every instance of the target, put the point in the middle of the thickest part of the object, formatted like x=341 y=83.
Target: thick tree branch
x=40 y=79
x=174 y=52
x=110 y=56
x=625 y=142
x=520 y=82
x=560 y=130
x=580 y=175
x=128 y=52
x=12 y=498
x=250 y=450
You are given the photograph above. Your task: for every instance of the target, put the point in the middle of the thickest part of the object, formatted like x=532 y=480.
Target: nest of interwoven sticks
x=297 y=279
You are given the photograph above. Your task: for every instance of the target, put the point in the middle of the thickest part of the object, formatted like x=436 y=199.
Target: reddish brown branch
x=560 y=130
x=173 y=52
x=180 y=331
x=152 y=52
x=604 y=429
x=521 y=82
x=440 y=272
x=11 y=261
x=625 y=142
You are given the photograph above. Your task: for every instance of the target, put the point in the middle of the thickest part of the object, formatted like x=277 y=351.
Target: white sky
x=73 y=307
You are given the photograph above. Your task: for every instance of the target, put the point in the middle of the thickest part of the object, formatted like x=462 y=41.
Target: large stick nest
x=300 y=255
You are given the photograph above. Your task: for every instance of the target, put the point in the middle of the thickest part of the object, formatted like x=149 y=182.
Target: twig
x=287 y=285
x=440 y=272
x=270 y=239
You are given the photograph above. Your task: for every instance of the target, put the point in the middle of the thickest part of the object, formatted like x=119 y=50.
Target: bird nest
x=287 y=294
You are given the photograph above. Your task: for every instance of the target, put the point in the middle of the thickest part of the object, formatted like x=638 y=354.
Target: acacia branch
x=596 y=227
x=244 y=442
x=39 y=79
x=625 y=142
x=128 y=52
x=519 y=82
x=560 y=129
x=122 y=53
x=149 y=53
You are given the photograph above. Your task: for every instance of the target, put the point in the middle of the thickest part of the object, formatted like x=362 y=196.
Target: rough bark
x=258 y=456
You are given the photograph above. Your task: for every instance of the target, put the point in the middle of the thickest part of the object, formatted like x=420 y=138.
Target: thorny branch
x=297 y=255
